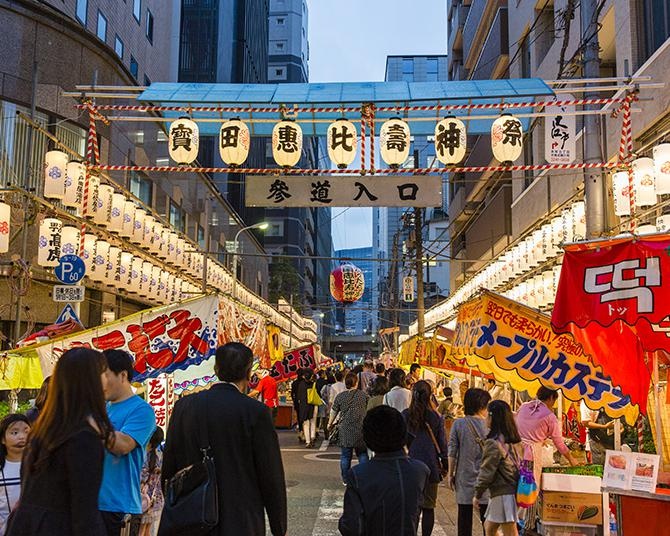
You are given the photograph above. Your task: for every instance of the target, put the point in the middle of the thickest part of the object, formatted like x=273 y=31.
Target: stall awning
x=336 y=94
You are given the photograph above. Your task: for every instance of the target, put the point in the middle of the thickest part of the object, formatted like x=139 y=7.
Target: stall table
x=640 y=513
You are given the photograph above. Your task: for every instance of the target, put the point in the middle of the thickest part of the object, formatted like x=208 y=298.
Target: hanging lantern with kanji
x=644 y=182
x=234 y=142
x=115 y=224
x=662 y=166
x=69 y=240
x=287 y=143
x=394 y=142
x=103 y=212
x=75 y=175
x=184 y=141
x=347 y=283
x=621 y=193
x=342 y=141
x=128 y=225
x=55 y=170
x=506 y=138
x=5 y=220
x=48 y=247
x=92 y=196
x=450 y=140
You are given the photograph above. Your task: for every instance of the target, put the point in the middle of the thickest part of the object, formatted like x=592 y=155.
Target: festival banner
x=287 y=368
x=20 y=370
x=240 y=324
x=160 y=394
x=516 y=344
x=614 y=297
x=275 y=348
x=161 y=340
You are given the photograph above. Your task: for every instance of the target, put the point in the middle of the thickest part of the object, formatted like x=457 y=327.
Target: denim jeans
x=345 y=459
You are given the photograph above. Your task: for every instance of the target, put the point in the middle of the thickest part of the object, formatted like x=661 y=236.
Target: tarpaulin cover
x=614 y=297
x=516 y=344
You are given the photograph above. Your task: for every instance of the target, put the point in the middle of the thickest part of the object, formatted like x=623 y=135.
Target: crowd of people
x=222 y=443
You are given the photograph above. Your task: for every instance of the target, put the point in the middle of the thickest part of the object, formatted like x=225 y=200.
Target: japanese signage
x=408 y=289
x=334 y=191
x=613 y=297
x=560 y=143
x=160 y=340
x=517 y=345
x=636 y=471
x=68 y=293
x=160 y=394
x=287 y=368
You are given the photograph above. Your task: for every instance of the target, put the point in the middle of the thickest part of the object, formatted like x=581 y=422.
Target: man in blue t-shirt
x=134 y=422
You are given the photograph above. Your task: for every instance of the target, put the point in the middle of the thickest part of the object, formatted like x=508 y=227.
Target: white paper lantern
x=125 y=264
x=89 y=252
x=549 y=290
x=112 y=276
x=171 y=247
x=138 y=226
x=91 y=201
x=55 y=171
x=548 y=250
x=621 y=193
x=646 y=229
x=145 y=278
x=183 y=141
x=342 y=140
x=579 y=221
x=451 y=141
x=179 y=253
x=100 y=258
x=148 y=237
x=118 y=204
x=69 y=240
x=394 y=142
x=102 y=215
x=49 y=244
x=163 y=289
x=663 y=223
x=507 y=138
x=135 y=275
x=128 y=225
x=164 y=243
x=644 y=182
x=531 y=245
x=157 y=240
x=5 y=226
x=234 y=142
x=662 y=167
x=568 y=226
x=75 y=176
x=287 y=143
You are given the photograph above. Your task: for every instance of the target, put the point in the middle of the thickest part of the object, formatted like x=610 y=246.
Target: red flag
x=614 y=297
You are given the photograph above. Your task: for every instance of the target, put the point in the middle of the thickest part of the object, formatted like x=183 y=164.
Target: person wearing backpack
x=499 y=472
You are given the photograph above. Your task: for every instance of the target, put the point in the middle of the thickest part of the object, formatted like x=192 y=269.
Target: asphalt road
x=315 y=491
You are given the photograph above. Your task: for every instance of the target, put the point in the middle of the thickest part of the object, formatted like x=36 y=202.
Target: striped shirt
x=10 y=487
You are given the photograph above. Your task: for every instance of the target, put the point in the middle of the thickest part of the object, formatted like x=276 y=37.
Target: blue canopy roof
x=347 y=94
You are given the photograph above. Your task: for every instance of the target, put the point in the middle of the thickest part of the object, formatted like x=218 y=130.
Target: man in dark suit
x=249 y=470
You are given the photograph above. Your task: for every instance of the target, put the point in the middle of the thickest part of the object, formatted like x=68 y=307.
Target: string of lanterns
x=342 y=141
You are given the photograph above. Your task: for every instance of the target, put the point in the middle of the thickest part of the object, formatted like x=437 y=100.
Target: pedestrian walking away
x=499 y=472
x=465 y=458
x=384 y=495
x=134 y=422
x=348 y=411
x=379 y=388
x=427 y=443
x=243 y=443
x=14 y=430
x=398 y=397
x=62 y=467
x=307 y=411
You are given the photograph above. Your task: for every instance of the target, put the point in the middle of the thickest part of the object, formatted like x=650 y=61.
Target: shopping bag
x=526 y=490
x=313 y=397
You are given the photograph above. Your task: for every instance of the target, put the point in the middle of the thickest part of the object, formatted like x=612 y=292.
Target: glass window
x=141 y=187
x=431 y=77
x=177 y=217
x=279 y=72
x=201 y=237
x=280 y=21
x=407 y=66
x=147 y=80
x=134 y=67
x=118 y=46
x=408 y=77
x=431 y=65
x=137 y=9
x=82 y=10
x=102 y=27
x=150 y=26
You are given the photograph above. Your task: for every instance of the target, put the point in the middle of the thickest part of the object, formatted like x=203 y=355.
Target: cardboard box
x=571 y=507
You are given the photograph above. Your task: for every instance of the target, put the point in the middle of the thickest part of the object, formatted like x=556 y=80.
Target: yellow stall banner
x=516 y=344
x=275 y=348
x=20 y=369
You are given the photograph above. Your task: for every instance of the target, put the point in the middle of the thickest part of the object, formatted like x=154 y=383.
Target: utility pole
x=418 y=240
x=594 y=183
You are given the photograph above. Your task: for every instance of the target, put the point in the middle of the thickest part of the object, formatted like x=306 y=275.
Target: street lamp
x=262 y=226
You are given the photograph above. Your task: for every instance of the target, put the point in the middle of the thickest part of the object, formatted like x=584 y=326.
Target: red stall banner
x=614 y=298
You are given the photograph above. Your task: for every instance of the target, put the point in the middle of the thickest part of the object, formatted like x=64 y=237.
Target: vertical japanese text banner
x=160 y=340
x=159 y=399
x=517 y=345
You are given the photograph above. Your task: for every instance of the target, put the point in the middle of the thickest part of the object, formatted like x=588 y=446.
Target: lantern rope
x=363 y=137
x=355 y=172
x=340 y=109
x=626 y=150
x=92 y=158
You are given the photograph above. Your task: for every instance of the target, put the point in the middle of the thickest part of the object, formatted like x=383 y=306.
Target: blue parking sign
x=71 y=269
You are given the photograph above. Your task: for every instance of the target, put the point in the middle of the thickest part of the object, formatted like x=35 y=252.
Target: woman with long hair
x=499 y=471
x=150 y=484
x=62 y=466
x=379 y=388
x=14 y=429
x=427 y=443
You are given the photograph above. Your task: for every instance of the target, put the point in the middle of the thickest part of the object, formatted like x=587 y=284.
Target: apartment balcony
x=492 y=227
x=476 y=29
x=457 y=18
x=494 y=57
x=457 y=206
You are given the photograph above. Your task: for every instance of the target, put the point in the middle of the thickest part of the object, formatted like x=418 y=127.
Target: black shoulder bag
x=191 y=495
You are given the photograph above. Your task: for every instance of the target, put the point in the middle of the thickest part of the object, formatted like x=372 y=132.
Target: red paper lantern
x=347 y=283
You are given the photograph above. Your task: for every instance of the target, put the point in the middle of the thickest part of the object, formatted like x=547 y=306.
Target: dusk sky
x=349 y=41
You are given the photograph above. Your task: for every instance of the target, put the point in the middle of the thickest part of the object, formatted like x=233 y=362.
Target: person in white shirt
x=14 y=430
x=398 y=397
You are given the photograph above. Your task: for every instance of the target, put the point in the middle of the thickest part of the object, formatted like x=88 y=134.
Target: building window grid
x=101 y=30
x=134 y=67
x=137 y=10
x=82 y=11
x=150 y=27
x=118 y=46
